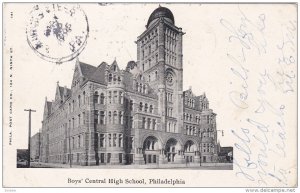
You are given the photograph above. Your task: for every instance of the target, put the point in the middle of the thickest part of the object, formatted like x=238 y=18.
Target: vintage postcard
x=149 y=95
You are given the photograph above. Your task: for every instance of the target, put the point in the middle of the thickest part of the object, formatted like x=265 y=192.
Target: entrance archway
x=190 y=150
x=151 y=150
x=172 y=149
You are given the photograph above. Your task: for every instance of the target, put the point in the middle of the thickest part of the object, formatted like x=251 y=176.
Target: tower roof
x=161 y=12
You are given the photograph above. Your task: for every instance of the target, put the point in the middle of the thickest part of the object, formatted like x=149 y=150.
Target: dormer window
x=115 y=68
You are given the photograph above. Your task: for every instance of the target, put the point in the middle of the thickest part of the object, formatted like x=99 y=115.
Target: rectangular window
x=108 y=157
x=120 y=157
x=101 y=140
x=120 y=140
x=79 y=120
x=101 y=117
x=114 y=140
x=79 y=141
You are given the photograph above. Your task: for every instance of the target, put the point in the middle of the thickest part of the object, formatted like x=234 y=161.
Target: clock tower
x=159 y=58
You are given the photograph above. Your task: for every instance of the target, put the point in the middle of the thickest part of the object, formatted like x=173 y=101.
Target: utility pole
x=29 y=135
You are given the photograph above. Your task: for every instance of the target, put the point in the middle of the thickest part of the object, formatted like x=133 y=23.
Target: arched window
x=141 y=87
x=146 y=107
x=109 y=116
x=149 y=77
x=156 y=76
x=121 y=97
x=137 y=86
x=141 y=106
x=84 y=97
x=121 y=118
x=79 y=101
x=151 y=109
x=96 y=97
x=102 y=98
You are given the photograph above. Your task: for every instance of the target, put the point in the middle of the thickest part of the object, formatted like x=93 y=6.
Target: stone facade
x=139 y=115
x=35 y=142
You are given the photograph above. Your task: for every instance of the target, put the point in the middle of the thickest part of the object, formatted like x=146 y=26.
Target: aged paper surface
x=243 y=57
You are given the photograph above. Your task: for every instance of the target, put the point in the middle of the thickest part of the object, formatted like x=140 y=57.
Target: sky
x=114 y=29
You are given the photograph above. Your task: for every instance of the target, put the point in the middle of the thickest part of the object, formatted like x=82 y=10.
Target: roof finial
x=57 y=82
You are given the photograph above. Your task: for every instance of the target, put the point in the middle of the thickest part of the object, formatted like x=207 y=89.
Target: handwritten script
x=262 y=68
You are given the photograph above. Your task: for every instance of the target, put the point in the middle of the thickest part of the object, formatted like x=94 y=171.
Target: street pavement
x=205 y=166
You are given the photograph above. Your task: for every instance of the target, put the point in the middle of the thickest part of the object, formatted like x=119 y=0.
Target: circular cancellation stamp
x=57 y=32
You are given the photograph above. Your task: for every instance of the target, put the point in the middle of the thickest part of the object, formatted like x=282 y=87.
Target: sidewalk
x=214 y=166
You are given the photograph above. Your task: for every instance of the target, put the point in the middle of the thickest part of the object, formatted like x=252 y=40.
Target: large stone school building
x=138 y=115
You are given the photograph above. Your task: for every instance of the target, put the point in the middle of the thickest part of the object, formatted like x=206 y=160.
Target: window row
x=191 y=130
x=141 y=88
x=190 y=102
x=147 y=64
x=81 y=100
x=170 y=97
x=170 y=59
x=147 y=49
x=145 y=108
x=172 y=127
x=114 y=79
x=207 y=147
x=149 y=37
x=204 y=106
x=113 y=117
x=148 y=123
x=170 y=112
x=110 y=140
x=77 y=121
x=76 y=141
x=190 y=117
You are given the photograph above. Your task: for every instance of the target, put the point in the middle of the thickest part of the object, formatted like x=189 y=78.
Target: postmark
x=57 y=32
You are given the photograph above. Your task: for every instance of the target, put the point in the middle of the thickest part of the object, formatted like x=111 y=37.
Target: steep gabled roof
x=87 y=69
x=93 y=73
x=99 y=74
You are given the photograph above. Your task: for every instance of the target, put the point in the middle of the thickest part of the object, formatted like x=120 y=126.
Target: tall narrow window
x=79 y=101
x=121 y=97
x=115 y=117
x=151 y=109
x=102 y=98
x=120 y=140
x=121 y=118
x=114 y=140
x=83 y=97
x=109 y=96
x=101 y=117
x=144 y=123
x=109 y=77
x=79 y=120
x=101 y=140
x=79 y=141
x=141 y=106
x=96 y=97
x=96 y=116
